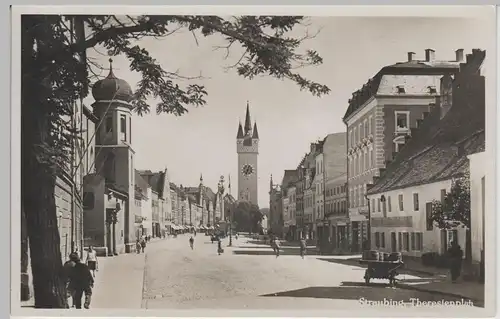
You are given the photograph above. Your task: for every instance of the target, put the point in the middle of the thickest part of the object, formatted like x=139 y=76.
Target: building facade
x=337 y=213
x=275 y=208
x=424 y=170
x=478 y=210
x=380 y=118
x=247 y=147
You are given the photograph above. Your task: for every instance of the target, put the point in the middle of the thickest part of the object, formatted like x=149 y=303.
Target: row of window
x=336 y=190
x=362 y=162
x=405 y=241
x=361 y=131
x=384 y=205
x=357 y=196
x=336 y=207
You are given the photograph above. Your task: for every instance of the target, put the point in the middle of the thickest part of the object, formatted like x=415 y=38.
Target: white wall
x=147 y=212
x=477 y=172
x=431 y=240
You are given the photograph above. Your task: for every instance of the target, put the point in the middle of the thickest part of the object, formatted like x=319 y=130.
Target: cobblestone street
x=249 y=276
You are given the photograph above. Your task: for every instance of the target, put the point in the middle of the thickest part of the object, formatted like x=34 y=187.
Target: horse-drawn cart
x=381 y=265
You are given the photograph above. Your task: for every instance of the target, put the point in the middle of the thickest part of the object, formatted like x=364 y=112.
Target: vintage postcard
x=252 y=161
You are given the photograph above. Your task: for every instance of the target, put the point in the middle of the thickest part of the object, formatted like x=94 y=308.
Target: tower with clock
x=247 y=147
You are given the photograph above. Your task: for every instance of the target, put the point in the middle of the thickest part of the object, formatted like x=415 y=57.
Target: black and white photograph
x=232 y=161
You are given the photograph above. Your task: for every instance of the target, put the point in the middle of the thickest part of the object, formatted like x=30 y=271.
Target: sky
x=203 y=141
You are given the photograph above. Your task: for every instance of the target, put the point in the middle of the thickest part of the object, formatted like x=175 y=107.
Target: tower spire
x=240 y=131
x=229 y=185
x=248 y=122
x=271 y=182
x=255 y=132
x=201 y=178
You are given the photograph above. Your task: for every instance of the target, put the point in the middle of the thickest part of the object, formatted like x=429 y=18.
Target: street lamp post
x=221 y=195
x=369 y=223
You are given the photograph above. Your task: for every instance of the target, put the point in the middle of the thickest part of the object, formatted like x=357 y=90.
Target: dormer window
x=432 y=89
x=401 y=89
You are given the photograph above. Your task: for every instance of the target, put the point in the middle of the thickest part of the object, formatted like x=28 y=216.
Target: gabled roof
x=438 y=150
x=155 y=180
x=290 y=176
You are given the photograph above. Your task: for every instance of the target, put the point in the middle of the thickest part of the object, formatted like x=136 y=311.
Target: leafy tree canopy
x=455 y=209
x=62 y=68
x=247 y=216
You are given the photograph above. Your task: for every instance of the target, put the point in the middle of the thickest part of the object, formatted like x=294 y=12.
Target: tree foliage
x=455 y=209
x=56 y=73
x=247 y=216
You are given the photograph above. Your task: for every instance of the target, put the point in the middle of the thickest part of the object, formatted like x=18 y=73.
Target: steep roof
x=410 y=74
x=240 y=131
x=439 y=149
x=290 y=176
x=155 y=180
x=248 y=122
x=255 y=132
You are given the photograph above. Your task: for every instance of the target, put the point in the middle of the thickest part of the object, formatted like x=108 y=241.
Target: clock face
x=247 y=170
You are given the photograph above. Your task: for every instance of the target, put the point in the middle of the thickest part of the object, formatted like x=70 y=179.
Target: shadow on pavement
x=259 y=251
x=355 y=262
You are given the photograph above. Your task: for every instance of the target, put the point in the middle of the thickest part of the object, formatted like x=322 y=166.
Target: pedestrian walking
x=220 y=250
x=138 y=247
x=455 y=254
x=67 y=268
x=143 y=244
x=191 y=242
x=303 y=247
x=81 y=282
x=277 y=244
x=92 y=260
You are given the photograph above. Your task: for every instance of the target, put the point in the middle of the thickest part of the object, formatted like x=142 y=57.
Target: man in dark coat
x=80 y=281
x=67 y=269
x=455 y=254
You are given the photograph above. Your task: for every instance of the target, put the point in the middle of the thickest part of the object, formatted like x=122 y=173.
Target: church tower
x=247 y=147
x=114 y=159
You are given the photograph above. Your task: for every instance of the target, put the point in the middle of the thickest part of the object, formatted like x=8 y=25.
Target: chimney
x=410 y=56
x=459 y=55
x=429 y=55
x=313 y=147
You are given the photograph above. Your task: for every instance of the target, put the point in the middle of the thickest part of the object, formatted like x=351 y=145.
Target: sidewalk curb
x=434 y=291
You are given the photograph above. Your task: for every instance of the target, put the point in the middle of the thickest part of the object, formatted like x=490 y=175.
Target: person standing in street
x=143 y=244
x=81 y=282
x=92 y=260
x=455 y=254
x=303 y=247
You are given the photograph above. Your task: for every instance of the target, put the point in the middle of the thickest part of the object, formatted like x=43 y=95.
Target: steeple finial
x=111 y=75
x=248 y=121
x=201 y=178
x=229 y=184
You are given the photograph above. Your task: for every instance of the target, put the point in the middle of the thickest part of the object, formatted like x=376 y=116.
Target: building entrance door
x=394 y=244
x=355 y=236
